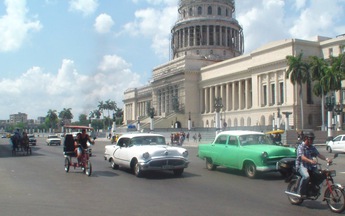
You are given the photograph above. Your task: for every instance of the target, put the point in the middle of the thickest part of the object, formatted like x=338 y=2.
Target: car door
x=227 y=151
x=339 y=143
x=121 y=153
x=231 y=152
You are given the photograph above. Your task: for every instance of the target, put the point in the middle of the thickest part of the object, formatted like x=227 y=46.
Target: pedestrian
x=199 y=136
x=194 y=137
x=187 y=136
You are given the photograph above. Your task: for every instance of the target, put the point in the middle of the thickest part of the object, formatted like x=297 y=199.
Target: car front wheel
x=113 y=164
x=137 y=170
x=250 y=169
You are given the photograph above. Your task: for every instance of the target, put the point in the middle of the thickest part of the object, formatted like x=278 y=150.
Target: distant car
x=146 y=151
x=250 y=151
x=336 y=144
x=53 y=140
x=32 y=139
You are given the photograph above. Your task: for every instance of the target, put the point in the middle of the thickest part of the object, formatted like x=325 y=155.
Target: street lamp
x=218 y=105
x=338 y=109
x=189 y=121
x=330 y=101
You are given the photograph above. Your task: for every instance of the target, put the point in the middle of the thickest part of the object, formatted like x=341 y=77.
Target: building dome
x=207 y=28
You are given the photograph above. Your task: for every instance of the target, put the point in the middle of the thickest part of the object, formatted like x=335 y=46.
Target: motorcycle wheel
x=335 y=199
x=293 y=188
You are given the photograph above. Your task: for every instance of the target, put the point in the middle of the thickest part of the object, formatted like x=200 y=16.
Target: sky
x=57 y=54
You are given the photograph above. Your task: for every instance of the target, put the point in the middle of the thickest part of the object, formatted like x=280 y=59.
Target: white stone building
x=208 y=63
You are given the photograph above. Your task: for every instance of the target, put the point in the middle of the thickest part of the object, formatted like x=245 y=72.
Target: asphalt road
x=38 y=185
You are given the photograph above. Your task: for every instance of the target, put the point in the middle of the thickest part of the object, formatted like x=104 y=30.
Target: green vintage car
x=250 y=151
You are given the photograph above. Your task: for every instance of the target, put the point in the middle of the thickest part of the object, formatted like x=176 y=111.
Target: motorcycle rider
x=304 y=162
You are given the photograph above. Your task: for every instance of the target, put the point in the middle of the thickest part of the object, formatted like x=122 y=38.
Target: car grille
x=170 y=162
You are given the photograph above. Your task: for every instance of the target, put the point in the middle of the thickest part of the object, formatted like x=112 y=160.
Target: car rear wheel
x=113 y=164
x=250 y=169
x=210 y=165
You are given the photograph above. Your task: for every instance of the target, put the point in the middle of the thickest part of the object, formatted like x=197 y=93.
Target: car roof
x=239 y=132
x=132 y=135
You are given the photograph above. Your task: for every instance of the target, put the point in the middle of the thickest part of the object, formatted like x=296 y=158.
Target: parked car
x=53 y=140
x=32 y=139
x=250 y=151
x=336 y=144
x=146 y=151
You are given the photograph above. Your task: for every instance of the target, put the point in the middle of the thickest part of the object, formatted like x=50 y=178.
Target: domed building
x=211 y=83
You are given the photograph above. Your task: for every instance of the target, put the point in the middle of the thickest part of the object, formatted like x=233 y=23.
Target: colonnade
x=236 y=95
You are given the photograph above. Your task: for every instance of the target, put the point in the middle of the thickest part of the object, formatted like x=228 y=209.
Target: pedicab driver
x=82 y=139
x=306 y=151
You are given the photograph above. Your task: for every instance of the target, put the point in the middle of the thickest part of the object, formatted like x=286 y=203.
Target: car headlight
x=264 y=155
x=185 y=154
x=146 y=155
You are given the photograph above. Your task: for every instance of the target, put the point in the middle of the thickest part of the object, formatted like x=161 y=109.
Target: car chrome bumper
x=164 y=164
x=267 y=168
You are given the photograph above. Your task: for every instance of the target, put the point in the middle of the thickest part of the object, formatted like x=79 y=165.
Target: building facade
x=208 y=65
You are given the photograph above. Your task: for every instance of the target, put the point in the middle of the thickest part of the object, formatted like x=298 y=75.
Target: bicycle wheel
x=67 y=164
x=88 y=168
x=335 y=198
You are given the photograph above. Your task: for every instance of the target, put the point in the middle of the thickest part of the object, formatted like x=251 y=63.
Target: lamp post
x=218 y=105
x=113 y=126
x=330 y=101
x=338 y=109
x=189 y=121
x=138 y=124
x=152 y=114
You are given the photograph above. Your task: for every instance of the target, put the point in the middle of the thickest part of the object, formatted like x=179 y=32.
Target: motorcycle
x=334 y=194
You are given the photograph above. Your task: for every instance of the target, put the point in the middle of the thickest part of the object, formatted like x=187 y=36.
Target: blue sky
x=57 y=54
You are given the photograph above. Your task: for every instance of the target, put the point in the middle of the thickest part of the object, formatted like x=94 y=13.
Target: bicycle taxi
x=69 y=152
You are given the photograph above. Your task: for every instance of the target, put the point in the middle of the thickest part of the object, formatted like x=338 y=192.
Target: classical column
x=240 y=98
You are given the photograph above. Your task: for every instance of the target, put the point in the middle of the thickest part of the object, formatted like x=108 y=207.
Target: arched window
x=209 y=10
x=199 y=10
x=219 y=11
x=226 y=12
x=184 y=14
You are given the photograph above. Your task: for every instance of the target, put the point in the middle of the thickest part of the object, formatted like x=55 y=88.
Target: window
x=190 y=12
x=273 y=93
x=199 y=10
x=233 y=141
x=219 y=11
x=342 y=49
x=330 y=51
x=281 y=92
x=221 y=140
x=264 y=94
x=226 y=12
x=209 y=10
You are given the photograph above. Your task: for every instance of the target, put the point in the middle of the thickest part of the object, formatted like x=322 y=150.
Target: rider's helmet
x=308 y=137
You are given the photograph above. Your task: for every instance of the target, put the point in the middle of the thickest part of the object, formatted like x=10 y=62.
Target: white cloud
x=103 y=23
x=37 y=91
x=155 y=24
x=86 y=7
x=15 y=26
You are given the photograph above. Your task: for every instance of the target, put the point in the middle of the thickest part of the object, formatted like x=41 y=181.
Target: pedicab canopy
x=79 y=127
x=275 y=132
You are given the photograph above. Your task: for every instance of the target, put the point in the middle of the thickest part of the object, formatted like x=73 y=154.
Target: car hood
x=272 y=150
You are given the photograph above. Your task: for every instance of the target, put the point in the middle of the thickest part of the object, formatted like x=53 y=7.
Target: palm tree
x=51 y=118
x=101 y=107
x=66 y=114
x=318 y=68
x=298 y=73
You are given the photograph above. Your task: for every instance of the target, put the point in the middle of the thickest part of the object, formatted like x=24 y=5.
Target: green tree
x=51 y=119
x=318 y=68
x=83 y=120
x=101 y=108
x=299 y=74
x=64 y=115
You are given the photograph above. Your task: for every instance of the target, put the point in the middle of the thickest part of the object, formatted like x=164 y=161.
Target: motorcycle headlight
x=185 y=154
x=146 y=155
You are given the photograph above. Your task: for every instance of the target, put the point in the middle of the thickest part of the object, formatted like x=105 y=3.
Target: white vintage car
x=146 y=151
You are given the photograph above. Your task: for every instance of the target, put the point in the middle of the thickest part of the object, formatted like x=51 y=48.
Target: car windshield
x=53 y=136
x=255 y=139
x=148 y=140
